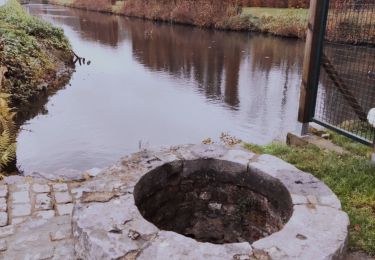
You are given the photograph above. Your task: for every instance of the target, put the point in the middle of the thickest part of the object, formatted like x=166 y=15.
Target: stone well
x=207 y=202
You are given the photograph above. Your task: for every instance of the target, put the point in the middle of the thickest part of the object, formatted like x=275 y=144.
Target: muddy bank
x=37 y=60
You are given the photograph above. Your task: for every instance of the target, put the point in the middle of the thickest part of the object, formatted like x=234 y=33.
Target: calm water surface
x=159 y=84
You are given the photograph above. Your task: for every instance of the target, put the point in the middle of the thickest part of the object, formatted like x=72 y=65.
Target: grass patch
x=351 y=176
x=279 y=21
x=263 y=11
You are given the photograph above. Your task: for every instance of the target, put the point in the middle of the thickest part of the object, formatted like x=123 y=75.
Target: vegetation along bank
x=282 y=18
x=35 y=60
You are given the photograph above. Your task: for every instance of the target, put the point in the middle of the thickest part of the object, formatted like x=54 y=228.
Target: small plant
x=7 y=130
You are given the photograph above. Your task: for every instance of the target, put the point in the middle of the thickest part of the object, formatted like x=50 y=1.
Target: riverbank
x=287 y=22
x=284 y=22
x=37 y=59
x=350 y=175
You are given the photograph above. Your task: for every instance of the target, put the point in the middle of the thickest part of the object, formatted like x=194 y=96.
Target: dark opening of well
x=213 y=201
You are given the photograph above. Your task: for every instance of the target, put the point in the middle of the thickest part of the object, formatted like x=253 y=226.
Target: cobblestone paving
x=35 y=219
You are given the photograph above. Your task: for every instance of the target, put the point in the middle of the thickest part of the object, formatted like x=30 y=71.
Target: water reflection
x=162 y=84
x=212 y=58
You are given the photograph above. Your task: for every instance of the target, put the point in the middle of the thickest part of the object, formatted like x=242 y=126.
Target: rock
x=41 y=188
x=3 y=191
x=62 y=174
x=60 y=234
x=64 y=250
x=6 y=231
x=112 y=235
x=215 y=206
x=18 y=220
x=322 y=239
x=14 y=179
x=32 y=240
x=77 y=192
x=21 y=210
x=3 y=204
x=60 y=187
x=134 y=235
x=301 y=185
x=97 y=196
x=3 y=245
x=93 y=172
x=43 y=202
x=64 y=209
x=170 y=245
x=3 y=219
x=45 y=214
x=62 y=197
x=238 y=156
x=23 y=186
x=208 y=151
x=21 y=197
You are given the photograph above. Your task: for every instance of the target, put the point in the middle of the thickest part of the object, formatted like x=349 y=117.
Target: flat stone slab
x=316 y=229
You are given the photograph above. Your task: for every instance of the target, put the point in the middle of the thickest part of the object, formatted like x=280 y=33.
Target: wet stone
x=62 y=197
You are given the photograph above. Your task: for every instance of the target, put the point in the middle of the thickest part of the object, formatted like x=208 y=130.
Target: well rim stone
x=123 y=231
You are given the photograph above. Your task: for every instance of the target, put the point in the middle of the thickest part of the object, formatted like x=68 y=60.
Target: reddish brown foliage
x=95 y=5
x=276 y=3
x=206 y=13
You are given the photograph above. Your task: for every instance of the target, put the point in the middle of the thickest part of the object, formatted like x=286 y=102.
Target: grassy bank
x=279 y=21
x=351 y=176
x=287 y=22
x=35 y=56
x=226 y=16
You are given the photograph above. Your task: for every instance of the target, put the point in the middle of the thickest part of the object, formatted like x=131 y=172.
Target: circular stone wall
x=162 y=204
x=213 y=201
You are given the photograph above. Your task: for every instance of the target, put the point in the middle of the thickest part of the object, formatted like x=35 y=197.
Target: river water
x=152 y=84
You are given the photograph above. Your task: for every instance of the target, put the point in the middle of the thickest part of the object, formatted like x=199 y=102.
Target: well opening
x=213 y=201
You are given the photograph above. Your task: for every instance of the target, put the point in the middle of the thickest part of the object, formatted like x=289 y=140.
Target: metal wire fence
x=346 y=89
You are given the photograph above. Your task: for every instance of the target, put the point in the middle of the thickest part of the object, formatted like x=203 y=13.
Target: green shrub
x=25 y=45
